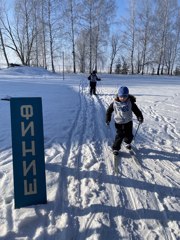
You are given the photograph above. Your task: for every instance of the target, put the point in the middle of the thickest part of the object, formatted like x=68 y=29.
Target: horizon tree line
x=92 y=36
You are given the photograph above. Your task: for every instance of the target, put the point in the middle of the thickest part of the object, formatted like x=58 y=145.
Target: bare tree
x=82 y=51
x=2 y=10
x=25 y=28
x=130 y=32
x=154 y=38
x=3 y=47
x=173 y=39
x=72 y=18
x=40 y=30
x=115 y=47
x=97 y=17
x=22 y=35
x=176 y=42
x=105 y=14
x=73 y=34
x=162 y=24
x=144 y=31
x=50 y=28
x=43 y=27
x=35 y=55
x=88 y=18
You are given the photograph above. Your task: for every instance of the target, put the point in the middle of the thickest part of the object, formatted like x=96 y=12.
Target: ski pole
x=136 y=131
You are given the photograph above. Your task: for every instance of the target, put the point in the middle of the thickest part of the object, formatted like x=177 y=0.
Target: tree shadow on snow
x=102 y=178
x=91 y=212
x=158 y=155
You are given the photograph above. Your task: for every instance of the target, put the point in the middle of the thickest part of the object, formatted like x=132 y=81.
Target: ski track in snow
x=89 y=201
x=135 y=202
x=129 y=198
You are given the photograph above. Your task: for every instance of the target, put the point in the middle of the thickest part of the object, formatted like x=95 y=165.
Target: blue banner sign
x=28 y=151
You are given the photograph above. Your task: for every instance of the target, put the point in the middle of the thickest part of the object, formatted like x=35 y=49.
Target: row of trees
x=91 y=35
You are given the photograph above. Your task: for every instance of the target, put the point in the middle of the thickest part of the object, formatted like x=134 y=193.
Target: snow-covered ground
x=86 y=201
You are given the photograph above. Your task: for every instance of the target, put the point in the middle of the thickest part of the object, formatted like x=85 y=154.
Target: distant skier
x=123 y=106
x=93 y=80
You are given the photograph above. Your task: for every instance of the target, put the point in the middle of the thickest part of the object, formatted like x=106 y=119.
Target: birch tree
x=82 y=51
x=130 y=33
x=72 y=14
x=43 y=28
x=36 y=47
x=145 y=13
x=3 y=47
x=21 y=36
x=97 y=17
x=50 y=28
x=161 y=28
x=115 y=47
x=2 y=10
x=173 y=39
x=25 y=29
x=132 y=30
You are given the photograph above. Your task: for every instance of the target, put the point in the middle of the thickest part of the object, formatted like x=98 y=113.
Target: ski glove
x=140 y=120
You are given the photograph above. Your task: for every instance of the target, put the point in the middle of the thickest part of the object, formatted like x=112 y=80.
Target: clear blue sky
x=123 y=5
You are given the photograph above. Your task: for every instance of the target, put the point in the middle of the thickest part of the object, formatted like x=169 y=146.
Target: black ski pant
x=123 y=132
x=92 y=88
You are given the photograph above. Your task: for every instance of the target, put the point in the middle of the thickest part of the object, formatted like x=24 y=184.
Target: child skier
x=93 y=80
x=123 y=107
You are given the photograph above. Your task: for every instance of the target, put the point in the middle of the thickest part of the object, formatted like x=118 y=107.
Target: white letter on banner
x=31 y=150
x=24 y=130
x=30 y=190
x=26 y=169
x=26 y=111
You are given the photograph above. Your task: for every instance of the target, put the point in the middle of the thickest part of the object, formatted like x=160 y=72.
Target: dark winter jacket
x=123 y=111
x=93 y=78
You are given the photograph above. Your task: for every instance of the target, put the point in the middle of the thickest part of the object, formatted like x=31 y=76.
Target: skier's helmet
x=94 y=72
x=123 y=91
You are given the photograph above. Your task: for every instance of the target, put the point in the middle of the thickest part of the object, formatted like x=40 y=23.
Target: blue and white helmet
x=123 y=91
